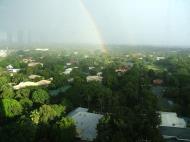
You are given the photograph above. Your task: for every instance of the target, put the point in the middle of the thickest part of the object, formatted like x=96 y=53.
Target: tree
x=10 y=108
x=67 y=103
x=22 y=93
x=40 y=96
x=133 y=117
x=129 y=127
x=59 y=81
x=17 y=78
x=3 y=80
x=59 y=109
x=110 y=78
x=63 y=131
x=35 y=116
x=97 y=96
x=184 y=100
x=20 y=131
x=26 y=103
x=7 y=92
x=46 y=114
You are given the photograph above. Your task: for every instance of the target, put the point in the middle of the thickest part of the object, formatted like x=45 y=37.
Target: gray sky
x=142 y=22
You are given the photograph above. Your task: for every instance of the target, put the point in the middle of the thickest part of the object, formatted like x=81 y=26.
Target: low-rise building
x=174 y=134
x=11 y=69
x=122 y=70
x=86 y=56
x=33 y=64
x=75 y=52
x=90 y=68
x=94 y=78
x=173 y=128
x=86 y=123
x=160 y=58
x=158 y=81
x=170 y=119
x=28 y=60
x=41 y=49
x=22 y=85
x=68 y=64
x=99 y=74
x=3 y=53
x=33 y=76
x=70 y=80
x=68 y=71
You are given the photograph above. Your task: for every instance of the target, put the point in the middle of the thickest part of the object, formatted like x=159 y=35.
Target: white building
x=41 y=49
x=85 y=56
x=68 y=64
x=68 y=71
x=22 y=85
x=99 y=74
x=75 y=52
x=94 y=78
x=70 y=80
x=3 y=53
x=14 y=70
x=86 y=123
x=11 y=69
x=75 y=67
x=160 y=58
x=90 y=68
x=170 y=119
x=33 y=76
x=33 y=64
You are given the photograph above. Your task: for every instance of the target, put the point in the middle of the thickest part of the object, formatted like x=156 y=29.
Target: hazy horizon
x=121 y=22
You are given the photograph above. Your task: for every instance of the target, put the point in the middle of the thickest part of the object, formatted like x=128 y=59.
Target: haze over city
x=94 y=70
x=131 y=22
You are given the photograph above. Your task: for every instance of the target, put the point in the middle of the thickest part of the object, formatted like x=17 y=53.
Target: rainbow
x=97 y=31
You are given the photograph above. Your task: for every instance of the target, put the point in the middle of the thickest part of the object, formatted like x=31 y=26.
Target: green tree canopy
x=64 y=130
x=7 y=92
x=21 y=131
x=10 y=108
x=40 y=96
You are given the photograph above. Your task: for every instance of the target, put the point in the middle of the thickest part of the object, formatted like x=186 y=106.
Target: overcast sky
x=141 y=22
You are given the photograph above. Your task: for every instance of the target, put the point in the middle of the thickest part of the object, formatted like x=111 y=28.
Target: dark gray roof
x=79 y=109
x=181 y=134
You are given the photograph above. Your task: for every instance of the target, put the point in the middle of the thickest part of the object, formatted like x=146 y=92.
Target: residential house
x=158 y=81
x=173 y=128
x=11 y=69
x=68 y=71
x=94 y=78
x=3 y=53
x=34 y=76
x=33 y=64
x=174 y=134
x=86 y=123
x=121 y=70
x=41 y=49
x=170 y=119
x=160 y=58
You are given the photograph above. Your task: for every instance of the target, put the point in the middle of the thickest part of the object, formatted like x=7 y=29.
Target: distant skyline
x=132 y=22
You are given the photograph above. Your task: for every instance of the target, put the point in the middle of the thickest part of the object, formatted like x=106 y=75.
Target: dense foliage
x=125 y=99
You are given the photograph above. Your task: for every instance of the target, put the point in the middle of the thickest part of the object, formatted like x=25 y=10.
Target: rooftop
x=178 y=134
x=86 y=123
x=170 y=119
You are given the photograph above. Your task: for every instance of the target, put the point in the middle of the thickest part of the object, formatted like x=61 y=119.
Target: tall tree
x=40 y=96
